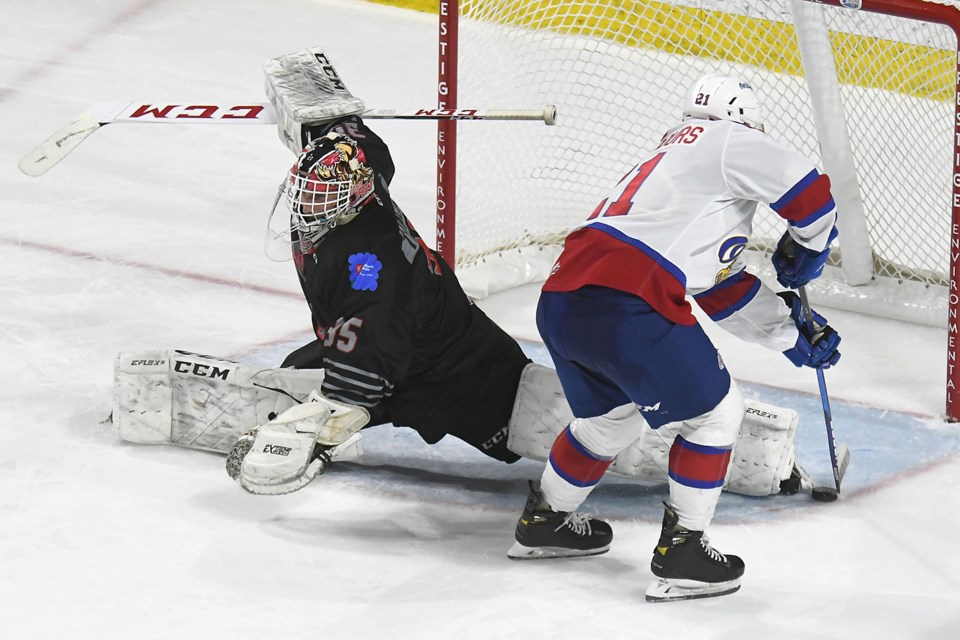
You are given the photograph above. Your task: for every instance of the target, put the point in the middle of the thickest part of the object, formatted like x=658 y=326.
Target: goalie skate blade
x=670 y=590
x=522 y=552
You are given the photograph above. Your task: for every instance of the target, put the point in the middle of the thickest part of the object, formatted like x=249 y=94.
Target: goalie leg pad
x=763 y=454
x=540 y=413
x=200 y=402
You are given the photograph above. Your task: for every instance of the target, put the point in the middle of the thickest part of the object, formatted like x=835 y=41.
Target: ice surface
x=152 y=238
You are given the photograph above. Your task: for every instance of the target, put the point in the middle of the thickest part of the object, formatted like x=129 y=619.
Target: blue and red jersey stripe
x=599 y=254
x=807 y=201
x=723 y=300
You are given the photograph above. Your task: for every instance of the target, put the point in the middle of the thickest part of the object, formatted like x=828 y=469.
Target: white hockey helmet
x=327 y=185
x=715 y=97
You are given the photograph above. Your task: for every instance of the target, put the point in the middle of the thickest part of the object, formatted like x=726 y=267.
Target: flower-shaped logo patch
x=364 y=271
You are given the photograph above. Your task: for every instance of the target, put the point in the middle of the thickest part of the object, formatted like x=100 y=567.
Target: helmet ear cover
x=715 y=97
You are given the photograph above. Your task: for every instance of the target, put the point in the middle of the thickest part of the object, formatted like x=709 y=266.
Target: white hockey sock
x=699 y=459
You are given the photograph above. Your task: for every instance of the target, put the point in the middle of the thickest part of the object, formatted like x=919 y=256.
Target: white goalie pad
x=305 y=88
x=540 y=413
x=200 y=402
x=762 y=456
x=290 y=451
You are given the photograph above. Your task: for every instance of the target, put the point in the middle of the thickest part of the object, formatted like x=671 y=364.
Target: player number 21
x=621 y=205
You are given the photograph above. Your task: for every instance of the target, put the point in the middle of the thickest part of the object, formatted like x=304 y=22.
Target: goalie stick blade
x=56 y=147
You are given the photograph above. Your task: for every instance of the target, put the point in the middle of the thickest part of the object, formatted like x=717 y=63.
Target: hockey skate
x=545 y=533
x=687 y=567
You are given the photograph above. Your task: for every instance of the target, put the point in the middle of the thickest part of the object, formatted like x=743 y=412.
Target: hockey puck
x=825 y=494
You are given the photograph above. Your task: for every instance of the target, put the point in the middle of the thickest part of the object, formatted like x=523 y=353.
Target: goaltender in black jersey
x=397 y=339
x=395 y=331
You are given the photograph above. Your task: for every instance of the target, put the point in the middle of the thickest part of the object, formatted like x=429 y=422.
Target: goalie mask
x=714 y=97
x=327 y=186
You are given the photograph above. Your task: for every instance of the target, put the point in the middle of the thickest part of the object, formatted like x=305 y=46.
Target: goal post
x=866 y=88
x=447 y=40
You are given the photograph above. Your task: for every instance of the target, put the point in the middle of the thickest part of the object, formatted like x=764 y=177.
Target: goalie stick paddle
x=55 y=148
x=839 y=455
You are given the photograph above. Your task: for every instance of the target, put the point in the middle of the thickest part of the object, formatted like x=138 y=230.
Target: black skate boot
x=545 y=533
x=687 y=567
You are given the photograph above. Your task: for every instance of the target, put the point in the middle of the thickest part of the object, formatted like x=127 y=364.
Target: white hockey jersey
x=677 y=223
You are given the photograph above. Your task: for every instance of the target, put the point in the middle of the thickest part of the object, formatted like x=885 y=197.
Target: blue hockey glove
x=795 y=264
x=817 y=345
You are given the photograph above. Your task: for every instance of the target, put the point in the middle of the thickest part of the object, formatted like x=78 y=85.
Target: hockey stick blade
x=56 y=147
x=843 y=460
x=830 y=494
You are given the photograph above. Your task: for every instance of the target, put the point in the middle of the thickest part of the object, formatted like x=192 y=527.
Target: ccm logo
x=329 y=71
x=448 y=113
x=202 y=370
x=276 y=450
x=197 y=111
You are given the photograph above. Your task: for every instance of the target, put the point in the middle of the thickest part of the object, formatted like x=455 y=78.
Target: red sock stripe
x=698 y=466
x=574 y=463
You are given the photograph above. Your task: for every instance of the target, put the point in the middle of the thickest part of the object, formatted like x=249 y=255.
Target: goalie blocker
x=202 y=402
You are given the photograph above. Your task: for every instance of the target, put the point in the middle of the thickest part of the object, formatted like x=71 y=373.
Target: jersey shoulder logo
x=364 y=271
x=730 y=249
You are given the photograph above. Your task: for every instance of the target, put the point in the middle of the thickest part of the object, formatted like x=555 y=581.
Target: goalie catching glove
x=288 y=452
x=306 y=91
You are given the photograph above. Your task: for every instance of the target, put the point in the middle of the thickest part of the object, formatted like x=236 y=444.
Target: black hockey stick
x=841 y=461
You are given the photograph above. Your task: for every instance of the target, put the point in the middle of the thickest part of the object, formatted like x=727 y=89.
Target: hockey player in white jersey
x=630 y=353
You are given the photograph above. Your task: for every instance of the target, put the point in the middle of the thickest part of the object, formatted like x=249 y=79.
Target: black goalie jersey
x=395 y=332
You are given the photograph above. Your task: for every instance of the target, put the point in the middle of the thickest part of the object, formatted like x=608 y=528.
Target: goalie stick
x=55 y=148
x=839 y=454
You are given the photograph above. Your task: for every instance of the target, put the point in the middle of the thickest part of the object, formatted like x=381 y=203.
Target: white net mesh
x=618 y=69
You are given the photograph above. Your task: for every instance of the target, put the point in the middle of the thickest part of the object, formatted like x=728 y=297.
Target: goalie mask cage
x=868 y=89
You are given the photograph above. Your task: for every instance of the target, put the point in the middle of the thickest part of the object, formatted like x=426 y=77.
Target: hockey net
x=883 y=87
x=867 y=88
